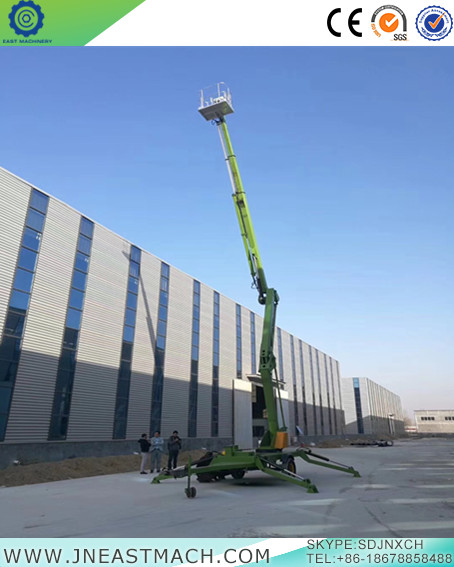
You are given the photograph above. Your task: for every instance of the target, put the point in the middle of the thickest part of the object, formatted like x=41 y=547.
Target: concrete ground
x=404 y=491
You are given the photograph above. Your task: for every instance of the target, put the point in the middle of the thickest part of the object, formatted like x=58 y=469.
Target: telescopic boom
x=215 y=109
x=269 y=457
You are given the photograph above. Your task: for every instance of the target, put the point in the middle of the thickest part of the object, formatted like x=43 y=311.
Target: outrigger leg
x=308 y=456
x=273 y=469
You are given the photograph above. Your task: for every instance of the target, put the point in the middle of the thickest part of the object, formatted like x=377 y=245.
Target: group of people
x=154 y=448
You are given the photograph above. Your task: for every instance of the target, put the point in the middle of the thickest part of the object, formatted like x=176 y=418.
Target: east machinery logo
x=390 y=23
x=26 y=18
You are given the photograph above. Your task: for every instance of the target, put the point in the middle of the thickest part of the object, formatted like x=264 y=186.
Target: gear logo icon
x=26 y=18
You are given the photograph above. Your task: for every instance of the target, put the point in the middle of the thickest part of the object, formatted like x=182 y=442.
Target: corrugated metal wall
x=378 y=406
x=143 y=363
x=15 y=195
x=227 y=364
x=98 y=356
x=309 y=389
x=177 y=369
x=205 y=362
x=35 y=383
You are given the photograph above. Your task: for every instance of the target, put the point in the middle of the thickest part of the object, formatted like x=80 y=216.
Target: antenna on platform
x=215 y=102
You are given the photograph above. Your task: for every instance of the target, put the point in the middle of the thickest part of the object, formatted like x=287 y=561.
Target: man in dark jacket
x=144 y=451
x=174 y=446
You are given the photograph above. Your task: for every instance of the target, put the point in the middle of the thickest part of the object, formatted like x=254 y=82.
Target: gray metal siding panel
x=308 y=389
x=205 y=362
x=35 y=383
x=177 y=368
x=337 y=384
x=377 y=404
x=246 y=342
x=335 y=404
x=349 y=407
x=288 y=375
x=364 y=395
x=14 y=196
x=321 y=359
x=299 y=390
x=258 y=338
x=242 y=414
x=144 y=343
x=98 y=357
x=227 y=364
x=287 y=363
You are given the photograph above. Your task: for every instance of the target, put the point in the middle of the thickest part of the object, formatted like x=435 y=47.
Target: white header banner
x=283 y=23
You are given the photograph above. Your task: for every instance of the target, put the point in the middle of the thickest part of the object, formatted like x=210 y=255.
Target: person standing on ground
x=157 y=448
x=174 y=446
x=144 y=451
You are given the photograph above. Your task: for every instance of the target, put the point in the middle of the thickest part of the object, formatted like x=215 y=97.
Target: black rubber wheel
x=238 y=475
x=190 y=492
x=290 y=466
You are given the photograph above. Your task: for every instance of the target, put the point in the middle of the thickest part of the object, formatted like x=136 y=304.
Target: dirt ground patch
x=37 y=473
x=77 y=468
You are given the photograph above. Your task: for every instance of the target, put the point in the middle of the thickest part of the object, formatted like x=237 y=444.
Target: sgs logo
x=390 y=23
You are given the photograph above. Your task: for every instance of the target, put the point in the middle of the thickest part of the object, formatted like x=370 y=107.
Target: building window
x=31 y=239
x=35 y=220
x=161 y=334
x=193 y=382
x=39 y=201
x=239 y=364
x=86 y=228
x=61 y=406
x=79 y=279
x=359 y=411
x=215 y=387
x=13 y=330
x=27 y=259
x=124 y=373
x=303 y=387
x=281 y=358
x=253 y=351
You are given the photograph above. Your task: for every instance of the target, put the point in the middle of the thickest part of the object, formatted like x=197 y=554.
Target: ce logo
x=351 y=22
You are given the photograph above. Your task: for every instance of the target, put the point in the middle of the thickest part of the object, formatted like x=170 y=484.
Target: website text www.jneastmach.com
x=130 y=556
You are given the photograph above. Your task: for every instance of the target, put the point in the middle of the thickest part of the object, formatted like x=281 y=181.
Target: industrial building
x=102 y=341
x=435 y=421
x=370 y=409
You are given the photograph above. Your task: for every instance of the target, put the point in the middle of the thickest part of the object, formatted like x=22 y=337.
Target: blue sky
x=346 y=157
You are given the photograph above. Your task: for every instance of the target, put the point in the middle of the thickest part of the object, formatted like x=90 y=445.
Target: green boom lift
x=272 y=457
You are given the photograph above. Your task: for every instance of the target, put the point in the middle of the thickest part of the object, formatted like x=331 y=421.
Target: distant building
x=370 y=409
x=435 y=421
